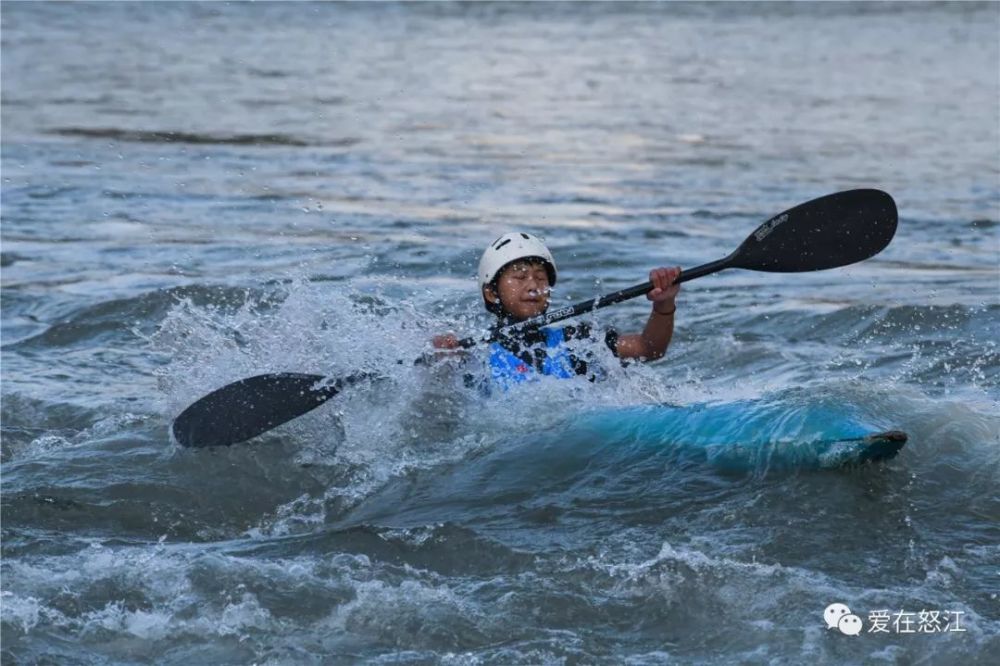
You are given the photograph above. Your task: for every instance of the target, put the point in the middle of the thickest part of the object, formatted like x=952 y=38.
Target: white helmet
x=513 y=247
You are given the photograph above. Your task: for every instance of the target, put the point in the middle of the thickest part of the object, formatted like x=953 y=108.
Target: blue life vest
x=507 y=369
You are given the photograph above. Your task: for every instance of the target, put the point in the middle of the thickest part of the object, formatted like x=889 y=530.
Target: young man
x=516 y=275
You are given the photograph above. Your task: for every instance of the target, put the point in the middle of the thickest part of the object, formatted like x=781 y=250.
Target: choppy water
x=197 y=192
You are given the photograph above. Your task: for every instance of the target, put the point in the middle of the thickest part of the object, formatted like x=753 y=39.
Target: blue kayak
x=597 y=454
x=744 y=435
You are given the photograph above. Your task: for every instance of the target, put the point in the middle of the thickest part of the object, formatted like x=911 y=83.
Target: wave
x=112 y=600
x=200 y=138
x=111 y=320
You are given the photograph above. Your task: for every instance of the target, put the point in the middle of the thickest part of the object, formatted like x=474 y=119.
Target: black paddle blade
x=835 y=230
x=244 y=409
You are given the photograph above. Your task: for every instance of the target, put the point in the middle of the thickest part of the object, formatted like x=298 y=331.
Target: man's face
x=524 y=289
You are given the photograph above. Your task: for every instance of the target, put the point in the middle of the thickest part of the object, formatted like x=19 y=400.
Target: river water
x=194 y=193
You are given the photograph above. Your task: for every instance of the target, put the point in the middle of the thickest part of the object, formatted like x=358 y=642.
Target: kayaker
x=516 y=276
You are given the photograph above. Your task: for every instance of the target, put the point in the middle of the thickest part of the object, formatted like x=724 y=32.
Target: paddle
x=831 y=231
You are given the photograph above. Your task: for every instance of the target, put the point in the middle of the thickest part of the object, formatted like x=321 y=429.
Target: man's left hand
x=664 y=290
